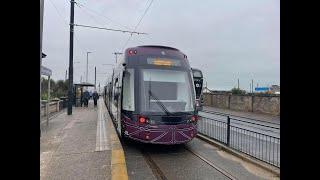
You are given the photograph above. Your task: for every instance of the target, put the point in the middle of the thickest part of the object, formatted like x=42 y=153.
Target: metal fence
x=252 y=137
x=53 y=107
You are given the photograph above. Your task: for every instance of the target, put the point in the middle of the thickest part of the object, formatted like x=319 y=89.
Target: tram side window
x=110 y=91
x=115 y=89
x=128 y=90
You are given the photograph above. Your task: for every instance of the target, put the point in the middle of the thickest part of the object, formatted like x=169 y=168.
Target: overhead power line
x=91 y=16
x=105 y=17
x=109 y=29
x=64 y=22
x=145 y=12
x=58 y=12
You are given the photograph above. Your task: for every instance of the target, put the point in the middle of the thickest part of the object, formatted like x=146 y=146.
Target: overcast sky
x=226 y=39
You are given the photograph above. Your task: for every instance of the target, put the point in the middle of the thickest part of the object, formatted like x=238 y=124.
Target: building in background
x=275 y=89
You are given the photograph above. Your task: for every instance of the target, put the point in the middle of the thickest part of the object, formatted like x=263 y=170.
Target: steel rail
x=222 y=171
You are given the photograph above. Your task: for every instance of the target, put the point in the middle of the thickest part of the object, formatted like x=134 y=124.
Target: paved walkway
x=262 y=117
x=79 y=146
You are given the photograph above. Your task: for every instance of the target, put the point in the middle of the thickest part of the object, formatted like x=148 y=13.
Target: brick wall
x=258 y=103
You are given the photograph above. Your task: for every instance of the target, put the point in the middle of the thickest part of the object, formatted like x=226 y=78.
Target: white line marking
x=102 y=142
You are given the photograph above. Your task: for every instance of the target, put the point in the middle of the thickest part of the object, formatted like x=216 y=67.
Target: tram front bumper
x=162 y=134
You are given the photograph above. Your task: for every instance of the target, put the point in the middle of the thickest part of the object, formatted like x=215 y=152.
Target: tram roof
x=158 y=46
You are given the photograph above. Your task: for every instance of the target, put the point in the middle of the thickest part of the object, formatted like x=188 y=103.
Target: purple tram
x=151 y=96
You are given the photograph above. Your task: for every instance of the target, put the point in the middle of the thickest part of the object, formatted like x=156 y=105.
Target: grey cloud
x=226 y=39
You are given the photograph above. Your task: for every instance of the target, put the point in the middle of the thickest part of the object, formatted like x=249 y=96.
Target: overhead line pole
x=70 y=87
x=252 y=85
x=87 y=67
x=95 y=77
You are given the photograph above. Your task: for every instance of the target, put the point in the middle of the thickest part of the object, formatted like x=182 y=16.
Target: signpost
x=262 y=89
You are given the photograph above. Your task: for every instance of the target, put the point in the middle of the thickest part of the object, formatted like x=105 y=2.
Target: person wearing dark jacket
x=86 y=97
x=95 y=97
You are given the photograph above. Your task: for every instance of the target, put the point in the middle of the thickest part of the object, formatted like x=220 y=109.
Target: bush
x=237 y=91
x=44 y=96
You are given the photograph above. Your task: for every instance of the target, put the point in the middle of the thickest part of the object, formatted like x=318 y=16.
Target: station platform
x=85 y=146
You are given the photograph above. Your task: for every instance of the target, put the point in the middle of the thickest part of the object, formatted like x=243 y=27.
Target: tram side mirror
x=198 y=105
x=198 y=108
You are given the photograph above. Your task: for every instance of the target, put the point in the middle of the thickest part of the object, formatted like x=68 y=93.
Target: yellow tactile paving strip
x=118 y=161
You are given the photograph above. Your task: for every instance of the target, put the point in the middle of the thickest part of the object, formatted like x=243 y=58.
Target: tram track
x=160 y=175
x=222 y=171
x=154 y=167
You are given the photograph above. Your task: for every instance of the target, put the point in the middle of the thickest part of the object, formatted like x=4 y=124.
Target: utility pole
x=252 y=84
x=95 y=77
x=81 y=79
x=117 y=53
x=66 y=77
x=70 y=88
x=238 y=84
x=87 y=67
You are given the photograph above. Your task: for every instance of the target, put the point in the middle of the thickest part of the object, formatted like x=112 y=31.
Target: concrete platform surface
x=80 y=146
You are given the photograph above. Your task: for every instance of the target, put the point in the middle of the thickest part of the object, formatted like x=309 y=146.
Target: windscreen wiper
x=159 y=103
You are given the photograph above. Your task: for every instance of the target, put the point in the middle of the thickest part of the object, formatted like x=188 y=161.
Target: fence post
x=228 y=131
x=252 y=101
x=47 y=112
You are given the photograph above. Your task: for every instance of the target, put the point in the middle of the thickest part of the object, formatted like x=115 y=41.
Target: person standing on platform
x=86 y=97
x=81 y=99
x=95 y=97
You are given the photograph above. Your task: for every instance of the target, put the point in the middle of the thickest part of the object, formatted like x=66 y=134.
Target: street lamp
x=87 y=66
x=117 y=53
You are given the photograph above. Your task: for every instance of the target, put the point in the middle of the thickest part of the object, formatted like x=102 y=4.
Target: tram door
x=198 y=84
x=119 y=91
x=114 y=103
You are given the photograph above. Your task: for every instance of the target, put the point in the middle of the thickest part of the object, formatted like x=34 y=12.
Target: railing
x=54 y=106
x=254 y=138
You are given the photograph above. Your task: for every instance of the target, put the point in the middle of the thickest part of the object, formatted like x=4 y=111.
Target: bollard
x=228 y=131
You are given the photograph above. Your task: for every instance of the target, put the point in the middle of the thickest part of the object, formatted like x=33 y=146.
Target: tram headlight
x=143 y=120
x=192 y=119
